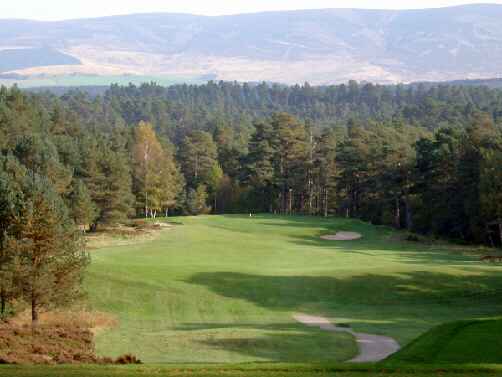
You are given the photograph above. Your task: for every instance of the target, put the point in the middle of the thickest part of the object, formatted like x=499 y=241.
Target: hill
x=319 y=46
x=21 y=58
x=460 y=342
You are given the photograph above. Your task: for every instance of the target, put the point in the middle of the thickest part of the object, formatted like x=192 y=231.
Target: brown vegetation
x=91 y=320
x=58 y=344
x=491 y=258
x=59 y=338
x=124 y=234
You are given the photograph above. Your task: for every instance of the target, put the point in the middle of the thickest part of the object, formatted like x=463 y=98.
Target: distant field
x=225 y=288
x=95 y=80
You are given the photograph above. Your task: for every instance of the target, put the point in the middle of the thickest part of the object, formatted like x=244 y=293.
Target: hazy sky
x=65 y=9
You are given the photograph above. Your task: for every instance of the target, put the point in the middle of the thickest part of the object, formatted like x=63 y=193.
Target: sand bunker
x=342 y=236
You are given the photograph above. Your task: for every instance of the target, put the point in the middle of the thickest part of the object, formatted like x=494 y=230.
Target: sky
x=48 y=10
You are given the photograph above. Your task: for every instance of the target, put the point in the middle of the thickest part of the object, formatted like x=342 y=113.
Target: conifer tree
x=12 y=174
x=82 y=209
x=49 y=247
x=196 y=201
x=198 y=156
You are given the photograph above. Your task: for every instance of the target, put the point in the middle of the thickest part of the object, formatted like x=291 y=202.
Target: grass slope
x=14 y=59
x=457 y=342
x=224 y=289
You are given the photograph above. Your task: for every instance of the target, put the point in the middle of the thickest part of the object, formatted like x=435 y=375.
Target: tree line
x=426 y=159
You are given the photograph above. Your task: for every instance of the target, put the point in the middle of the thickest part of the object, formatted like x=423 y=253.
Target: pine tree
x=291 y=154
x=196 y=201
x=49 y=247
x=259 y=166
x=198 y=156
x=322 y=183
x=116 y=200
x=82 y=209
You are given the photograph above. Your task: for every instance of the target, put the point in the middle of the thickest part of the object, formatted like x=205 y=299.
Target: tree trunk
x=290 y=204
x=397 y=216
x=34 y=311
x=409 y=215
x=146 y=204
x=500 y=232
x=326 y=202
x=3 y=302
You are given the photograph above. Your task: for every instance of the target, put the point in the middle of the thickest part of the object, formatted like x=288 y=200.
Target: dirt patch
x=371 y=347
x=342 y=236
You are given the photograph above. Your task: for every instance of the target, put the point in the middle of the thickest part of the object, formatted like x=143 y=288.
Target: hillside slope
x=460 y=342
x=321 y=46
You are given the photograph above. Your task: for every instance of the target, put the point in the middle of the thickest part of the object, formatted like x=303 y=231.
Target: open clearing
x=226 y=288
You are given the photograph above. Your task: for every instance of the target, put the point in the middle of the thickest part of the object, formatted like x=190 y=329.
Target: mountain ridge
x=321 y=46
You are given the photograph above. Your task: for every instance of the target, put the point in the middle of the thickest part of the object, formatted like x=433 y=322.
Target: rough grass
x=225 y=288
x=457 y=342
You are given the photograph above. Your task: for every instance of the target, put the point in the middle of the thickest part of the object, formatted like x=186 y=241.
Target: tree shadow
x=409 y=302
x=375 y=240
x=294 y=345
x=287 y=293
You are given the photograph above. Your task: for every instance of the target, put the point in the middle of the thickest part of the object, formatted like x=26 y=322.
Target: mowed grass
x=247 y=370
x=458 y=342
x=225 y=288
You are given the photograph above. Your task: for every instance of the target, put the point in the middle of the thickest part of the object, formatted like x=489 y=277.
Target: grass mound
x=460 y=342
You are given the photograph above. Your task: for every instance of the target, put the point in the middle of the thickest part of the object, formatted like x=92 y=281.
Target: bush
x=413 y=238
x=127 y=359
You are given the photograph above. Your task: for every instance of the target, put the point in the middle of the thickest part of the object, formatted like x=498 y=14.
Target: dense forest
x=426 y=159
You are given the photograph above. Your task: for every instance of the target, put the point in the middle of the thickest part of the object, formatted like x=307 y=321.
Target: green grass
x=458 y=342
x=258 y=370
x=224 y=289
x=98 y=80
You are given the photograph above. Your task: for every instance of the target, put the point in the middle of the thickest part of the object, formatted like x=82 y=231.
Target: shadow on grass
x=376 y=239
x=288 y=293
x=374 y=301
x=290 y=346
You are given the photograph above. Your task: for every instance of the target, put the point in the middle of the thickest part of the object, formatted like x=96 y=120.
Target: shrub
x=127 y=359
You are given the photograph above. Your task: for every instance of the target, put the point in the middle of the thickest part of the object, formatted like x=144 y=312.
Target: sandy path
x=371 y=347
x=342 y=236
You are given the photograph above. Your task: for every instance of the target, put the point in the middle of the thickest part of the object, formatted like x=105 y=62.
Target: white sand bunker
x=342 y=236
